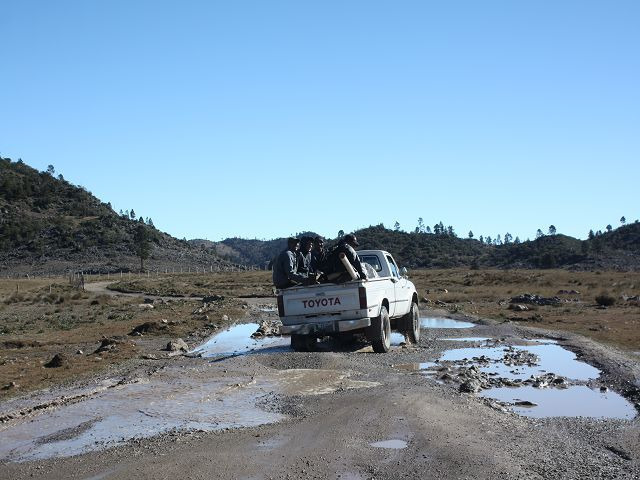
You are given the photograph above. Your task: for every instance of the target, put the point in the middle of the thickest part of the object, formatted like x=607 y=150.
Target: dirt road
x=274 y=413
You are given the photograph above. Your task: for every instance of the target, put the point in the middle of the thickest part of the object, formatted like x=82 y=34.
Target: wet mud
x=240 y=383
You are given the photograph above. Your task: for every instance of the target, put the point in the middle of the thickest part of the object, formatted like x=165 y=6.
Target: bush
x=605 y=299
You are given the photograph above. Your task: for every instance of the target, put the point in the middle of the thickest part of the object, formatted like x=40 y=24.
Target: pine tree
x=142 y=244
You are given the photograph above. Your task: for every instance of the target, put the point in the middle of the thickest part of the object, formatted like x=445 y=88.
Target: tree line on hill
x=442 y=248
x=44 y=217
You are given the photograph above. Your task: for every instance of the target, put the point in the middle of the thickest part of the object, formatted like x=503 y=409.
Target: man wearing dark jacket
x=304 y=255
x=285 y=268
x=335 y=270
x=318 y=254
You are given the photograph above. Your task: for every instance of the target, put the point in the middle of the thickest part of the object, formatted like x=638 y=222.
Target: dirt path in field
x=101 y=288
x=275 y=413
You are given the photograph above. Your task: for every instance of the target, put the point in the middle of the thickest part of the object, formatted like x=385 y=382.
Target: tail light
x=281 y=306
x=362 y=294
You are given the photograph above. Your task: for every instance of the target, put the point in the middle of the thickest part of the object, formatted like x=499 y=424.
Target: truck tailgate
x=321 y=300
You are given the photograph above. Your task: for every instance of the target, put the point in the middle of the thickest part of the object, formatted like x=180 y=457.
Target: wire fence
x=76 y=276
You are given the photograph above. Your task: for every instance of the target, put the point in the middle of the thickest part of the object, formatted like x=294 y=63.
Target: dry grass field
x=44 y=317
x=486 y=293
x=40 y=318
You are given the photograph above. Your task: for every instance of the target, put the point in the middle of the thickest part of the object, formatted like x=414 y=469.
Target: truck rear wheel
x=410 y=325
x=303 y=343
x=379 y=333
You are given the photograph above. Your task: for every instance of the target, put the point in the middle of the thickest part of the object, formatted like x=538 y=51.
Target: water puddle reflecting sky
x=394 y=444
x=427 y=322
x=550 y=358
x=575 y=401
x=237 y=340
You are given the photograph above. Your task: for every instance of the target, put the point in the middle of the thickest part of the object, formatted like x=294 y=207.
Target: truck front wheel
x=303 y=343
x=410 y=325
x=379 y=333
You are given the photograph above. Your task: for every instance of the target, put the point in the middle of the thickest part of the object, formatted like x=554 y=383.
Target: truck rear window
x=373 y=261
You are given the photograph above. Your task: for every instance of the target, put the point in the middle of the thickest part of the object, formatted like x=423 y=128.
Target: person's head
x=306 y=244
x=293 y=244
x=351 y=239
x=318 y=243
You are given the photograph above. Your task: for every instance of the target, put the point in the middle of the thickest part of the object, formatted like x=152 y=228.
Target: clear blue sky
x=261 y=119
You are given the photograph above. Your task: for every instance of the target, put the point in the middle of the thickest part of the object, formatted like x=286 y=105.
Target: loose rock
x=178 y=345
x=58 y=360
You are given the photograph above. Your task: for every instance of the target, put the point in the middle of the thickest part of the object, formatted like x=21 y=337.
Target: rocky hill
x=50 y=226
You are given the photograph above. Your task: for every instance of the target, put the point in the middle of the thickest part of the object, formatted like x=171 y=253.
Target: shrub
x=605 y=299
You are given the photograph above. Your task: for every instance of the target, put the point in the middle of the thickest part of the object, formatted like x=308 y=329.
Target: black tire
x=303 y=343
x=379 y=333
x=410 y=325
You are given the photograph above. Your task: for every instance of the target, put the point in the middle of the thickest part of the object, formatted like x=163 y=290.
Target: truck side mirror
x=404 y=272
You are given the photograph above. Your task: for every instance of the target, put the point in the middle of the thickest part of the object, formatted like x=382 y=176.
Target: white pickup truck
x=373 y=306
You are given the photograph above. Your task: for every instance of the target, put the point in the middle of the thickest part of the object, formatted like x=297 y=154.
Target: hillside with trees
x=49 y=225
x=442 y=248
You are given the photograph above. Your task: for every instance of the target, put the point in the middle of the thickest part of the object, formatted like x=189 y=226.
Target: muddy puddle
x=435 y=322
x=535 y=378
x=237 y=340
x=172 y=400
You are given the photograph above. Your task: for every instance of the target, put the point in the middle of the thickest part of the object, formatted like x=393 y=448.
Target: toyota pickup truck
x=386 y=300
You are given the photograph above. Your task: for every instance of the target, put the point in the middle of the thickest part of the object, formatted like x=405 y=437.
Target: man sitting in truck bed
x=285 y=268
x=333 y=269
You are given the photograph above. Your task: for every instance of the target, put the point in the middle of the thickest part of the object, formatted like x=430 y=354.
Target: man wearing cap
x=285 y=268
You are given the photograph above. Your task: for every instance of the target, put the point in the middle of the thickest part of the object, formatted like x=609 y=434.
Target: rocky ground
x=323 y=411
